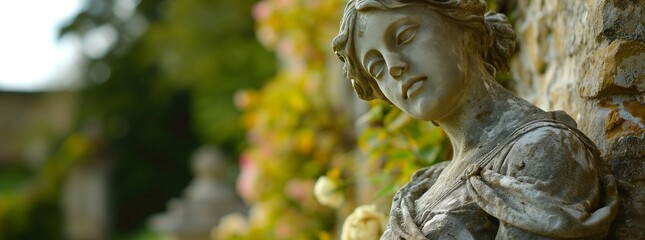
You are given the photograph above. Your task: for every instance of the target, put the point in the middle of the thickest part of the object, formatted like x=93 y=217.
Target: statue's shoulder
x=551 y=173
x=552 y=146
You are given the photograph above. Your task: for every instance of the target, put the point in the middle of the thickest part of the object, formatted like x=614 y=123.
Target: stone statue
x=517 y=172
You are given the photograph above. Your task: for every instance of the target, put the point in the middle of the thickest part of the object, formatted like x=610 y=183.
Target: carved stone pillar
x=205 y=200
x=85 y=201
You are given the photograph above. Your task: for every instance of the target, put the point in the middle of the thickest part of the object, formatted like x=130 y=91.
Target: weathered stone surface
x=588 y=58
x=628 y=165
x=617 y=68
x=623 y=19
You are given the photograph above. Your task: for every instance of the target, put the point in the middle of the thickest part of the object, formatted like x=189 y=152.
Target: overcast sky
x=31 y=56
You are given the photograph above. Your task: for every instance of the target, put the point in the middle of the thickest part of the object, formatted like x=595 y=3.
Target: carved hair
x=496 y=38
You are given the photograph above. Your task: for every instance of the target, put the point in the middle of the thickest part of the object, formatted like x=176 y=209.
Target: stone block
x=627 y=161
x=621 y=20
x=618 y=68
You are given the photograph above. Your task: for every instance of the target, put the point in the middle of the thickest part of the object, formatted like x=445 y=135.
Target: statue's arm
x=548 y=187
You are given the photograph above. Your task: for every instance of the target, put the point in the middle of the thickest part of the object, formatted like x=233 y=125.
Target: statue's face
x=415 y=57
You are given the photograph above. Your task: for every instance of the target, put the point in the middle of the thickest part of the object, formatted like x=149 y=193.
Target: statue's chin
x=428 y=108
x=426 y=114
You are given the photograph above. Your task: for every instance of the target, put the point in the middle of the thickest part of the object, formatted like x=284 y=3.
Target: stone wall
x=588 y=58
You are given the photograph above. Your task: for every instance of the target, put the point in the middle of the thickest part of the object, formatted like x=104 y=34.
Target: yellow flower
x=365 y=223
x=327 y=193
x=231 y=225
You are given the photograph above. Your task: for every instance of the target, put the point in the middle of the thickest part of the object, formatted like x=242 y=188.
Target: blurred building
x=29 y=121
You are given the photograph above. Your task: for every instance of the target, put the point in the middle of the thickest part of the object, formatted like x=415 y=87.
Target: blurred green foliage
x=394 y=146
x=160 y=81
x=169 y=90
x=35 y=204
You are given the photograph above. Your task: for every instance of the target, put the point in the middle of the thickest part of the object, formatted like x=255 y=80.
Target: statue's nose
x=396 y=71
x=396 y=65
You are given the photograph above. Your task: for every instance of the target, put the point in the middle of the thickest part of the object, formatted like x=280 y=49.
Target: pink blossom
x=261 y=11
x=299 y=189
x=286 y=48
x=283 y=230
x=242 y=99
x=282 y=4
x=267 y=36
x=246 y=181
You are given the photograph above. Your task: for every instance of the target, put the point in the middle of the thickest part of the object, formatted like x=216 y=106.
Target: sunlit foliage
x=296 y=135
x=292 y=131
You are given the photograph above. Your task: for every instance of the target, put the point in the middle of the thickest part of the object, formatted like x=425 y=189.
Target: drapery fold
x=526 y=202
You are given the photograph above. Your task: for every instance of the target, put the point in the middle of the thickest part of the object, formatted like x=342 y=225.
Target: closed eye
x=406 y=34
x=376 y=67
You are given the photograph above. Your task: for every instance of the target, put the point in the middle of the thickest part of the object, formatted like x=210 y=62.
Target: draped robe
x=546 y=180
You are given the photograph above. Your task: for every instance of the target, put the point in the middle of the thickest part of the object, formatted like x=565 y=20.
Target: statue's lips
x=412 y=85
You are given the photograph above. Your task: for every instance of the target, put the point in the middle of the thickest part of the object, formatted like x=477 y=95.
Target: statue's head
x=431 y=41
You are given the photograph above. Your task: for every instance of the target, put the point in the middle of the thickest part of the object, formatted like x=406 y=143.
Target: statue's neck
x=488 y=112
